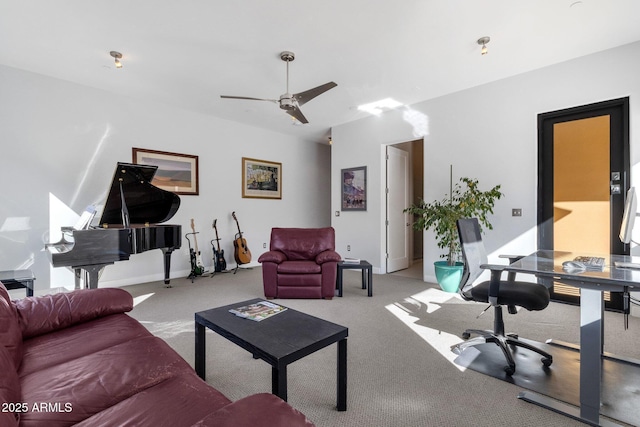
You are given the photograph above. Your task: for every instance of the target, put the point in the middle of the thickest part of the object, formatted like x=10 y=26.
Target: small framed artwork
x=354 y=189
x=261 y=179
x=176 y=172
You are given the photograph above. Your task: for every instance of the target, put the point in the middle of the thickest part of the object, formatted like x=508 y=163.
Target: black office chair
x=497 y=292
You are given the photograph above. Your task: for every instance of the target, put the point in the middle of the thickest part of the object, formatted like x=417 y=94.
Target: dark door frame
x=618 y=110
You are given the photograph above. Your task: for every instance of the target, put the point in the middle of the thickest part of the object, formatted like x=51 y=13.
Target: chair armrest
x=328 y=256
x=494 y=267
x=261 y=409
x=47 y=313
x=494 y=284
x=273 y=256
x=512 y=258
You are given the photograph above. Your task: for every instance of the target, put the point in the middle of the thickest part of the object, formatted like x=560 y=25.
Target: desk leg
x=591 y=310
x=279 y=382
x=200 y=351
x=342 y=375
x=591 y=347
x=370 y=280
x=364 y=278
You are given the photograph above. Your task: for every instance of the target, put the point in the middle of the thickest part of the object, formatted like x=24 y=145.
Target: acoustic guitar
x=219 y=263
x=196 y=260
x=242 y=253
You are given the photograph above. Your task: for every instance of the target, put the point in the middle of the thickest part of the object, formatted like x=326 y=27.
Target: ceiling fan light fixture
x=116 y=56
x=482 y=41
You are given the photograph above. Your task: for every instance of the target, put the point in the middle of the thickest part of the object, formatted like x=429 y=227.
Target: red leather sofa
x=301 y=263
x=77 y=359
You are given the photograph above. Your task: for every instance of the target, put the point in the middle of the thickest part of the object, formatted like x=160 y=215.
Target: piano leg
x=167 y=265
x=77 y=272
x=93 y=274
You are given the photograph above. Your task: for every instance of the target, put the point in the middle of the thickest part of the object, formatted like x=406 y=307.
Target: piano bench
x=15 y=279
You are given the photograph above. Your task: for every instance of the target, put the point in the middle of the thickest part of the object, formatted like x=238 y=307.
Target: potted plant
x=465 y=200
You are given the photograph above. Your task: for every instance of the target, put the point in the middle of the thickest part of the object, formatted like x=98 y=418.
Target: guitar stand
x=195 y=270
x=213 y=273
x=235 y=270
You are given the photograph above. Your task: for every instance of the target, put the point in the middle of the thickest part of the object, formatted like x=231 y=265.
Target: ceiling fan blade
x=306 y=96
x=297 y=114
x=245 y=97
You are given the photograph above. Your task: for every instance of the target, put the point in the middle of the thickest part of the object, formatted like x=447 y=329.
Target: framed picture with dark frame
x=354 y=189
x=176 y=172
x=261 y=179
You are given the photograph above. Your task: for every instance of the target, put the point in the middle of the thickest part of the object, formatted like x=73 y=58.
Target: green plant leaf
x=465 y=201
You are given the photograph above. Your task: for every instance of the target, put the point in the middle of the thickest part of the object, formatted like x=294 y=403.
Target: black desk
x=278 y=340
x=15 y=279
x=548 y=264
x=367 y=275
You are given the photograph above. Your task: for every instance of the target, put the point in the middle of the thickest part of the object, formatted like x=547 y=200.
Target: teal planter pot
x=448 y=276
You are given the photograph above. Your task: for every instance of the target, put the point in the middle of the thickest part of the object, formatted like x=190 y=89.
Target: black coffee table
x=279 y=340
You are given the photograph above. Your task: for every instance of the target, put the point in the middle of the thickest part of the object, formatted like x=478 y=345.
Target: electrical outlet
x=264 y=245
x=348 y=247
x=516 y=212
x=337 y=213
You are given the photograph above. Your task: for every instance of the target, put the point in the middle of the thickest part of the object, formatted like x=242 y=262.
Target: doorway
x=404 y=185
x=583 y=176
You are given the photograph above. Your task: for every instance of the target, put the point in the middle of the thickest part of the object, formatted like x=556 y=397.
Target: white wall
x=63 y=139
x=487 y=132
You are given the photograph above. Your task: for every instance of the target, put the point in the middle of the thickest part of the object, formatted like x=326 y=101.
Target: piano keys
x=128 y=225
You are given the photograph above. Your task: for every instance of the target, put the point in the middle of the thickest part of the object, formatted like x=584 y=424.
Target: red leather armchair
x=301 y=263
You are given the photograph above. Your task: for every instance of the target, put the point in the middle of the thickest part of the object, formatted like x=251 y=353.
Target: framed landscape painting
x=176 y=172
x=354 y=189
x=261 y=179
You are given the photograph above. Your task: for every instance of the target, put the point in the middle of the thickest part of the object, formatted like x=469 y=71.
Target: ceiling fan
x=291 y=103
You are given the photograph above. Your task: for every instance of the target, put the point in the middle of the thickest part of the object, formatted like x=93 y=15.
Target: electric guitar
x=219 y=264
x=242 y=253
x=196 y=264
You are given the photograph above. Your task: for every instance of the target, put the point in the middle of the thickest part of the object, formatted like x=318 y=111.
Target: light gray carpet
x=396 y=374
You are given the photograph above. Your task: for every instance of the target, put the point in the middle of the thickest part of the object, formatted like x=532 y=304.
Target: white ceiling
x=187 y=53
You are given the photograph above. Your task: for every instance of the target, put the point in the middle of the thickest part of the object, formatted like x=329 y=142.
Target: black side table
x=15 y=279
x=367 y=274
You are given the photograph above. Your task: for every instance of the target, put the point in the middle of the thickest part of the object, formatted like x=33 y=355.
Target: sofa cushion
x=9 y=390
x=52 y=312
x=186 y=398
x=10 y=332
x=95 y=382
x=299 y=267
x=302 y=243
x=80 y=340
x=258 y=410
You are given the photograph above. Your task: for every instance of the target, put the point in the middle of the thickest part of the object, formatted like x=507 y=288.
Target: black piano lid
x=145 y=202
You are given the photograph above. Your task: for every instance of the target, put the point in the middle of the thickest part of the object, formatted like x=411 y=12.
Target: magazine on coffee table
x=258 y=311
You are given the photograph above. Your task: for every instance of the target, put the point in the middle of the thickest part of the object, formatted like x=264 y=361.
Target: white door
x=398 y=226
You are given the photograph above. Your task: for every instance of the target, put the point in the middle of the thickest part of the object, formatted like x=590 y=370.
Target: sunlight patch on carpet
x=428 y=301
x=140 y=299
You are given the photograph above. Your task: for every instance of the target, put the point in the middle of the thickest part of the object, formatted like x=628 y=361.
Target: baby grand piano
x=129 y=225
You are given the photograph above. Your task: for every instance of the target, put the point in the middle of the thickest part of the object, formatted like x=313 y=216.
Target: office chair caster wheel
x=466 y=335
x=510 y=370
x=547 y=361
